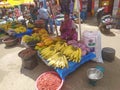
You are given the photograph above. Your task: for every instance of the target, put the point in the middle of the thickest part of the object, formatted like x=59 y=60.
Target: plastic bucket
x=47 y=73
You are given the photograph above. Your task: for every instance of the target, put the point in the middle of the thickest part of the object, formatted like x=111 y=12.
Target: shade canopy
x=15 y=2
x=5 y=4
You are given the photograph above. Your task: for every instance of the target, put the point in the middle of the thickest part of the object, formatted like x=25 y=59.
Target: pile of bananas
x=59 y=53
x=72 y=53
x=48 y=52
x=20 y=29
x=30 y=25
x=58 y=60
x=6 y=26
x=42 y=32
x=33 y=37
x=39 y=49
x=48 y=41
x=60 y=45
x=26 y=38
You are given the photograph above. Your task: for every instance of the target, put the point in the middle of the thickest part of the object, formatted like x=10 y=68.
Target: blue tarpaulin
x=72 y=65
x=28 y=32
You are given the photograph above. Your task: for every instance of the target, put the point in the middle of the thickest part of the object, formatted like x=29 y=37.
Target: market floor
x=14 y=77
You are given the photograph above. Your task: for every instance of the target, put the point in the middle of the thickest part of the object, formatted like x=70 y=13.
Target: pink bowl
x=52 y=72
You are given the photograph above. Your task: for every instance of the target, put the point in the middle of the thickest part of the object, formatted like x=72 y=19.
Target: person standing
x=33 y=12
x=0 y=13
x=17 y=12
x=64 y=6
x=43 y=15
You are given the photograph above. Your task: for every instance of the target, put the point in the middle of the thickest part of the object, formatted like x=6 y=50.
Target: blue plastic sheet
x=28 y=32
x=73 y=66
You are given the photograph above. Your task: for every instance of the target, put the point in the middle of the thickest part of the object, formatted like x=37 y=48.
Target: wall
x=115 y=7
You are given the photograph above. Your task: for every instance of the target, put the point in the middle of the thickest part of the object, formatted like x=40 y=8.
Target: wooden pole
x=77 y=9
x=79 y=29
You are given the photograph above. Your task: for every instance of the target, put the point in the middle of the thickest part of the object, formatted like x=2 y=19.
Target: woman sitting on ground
x=68 y=29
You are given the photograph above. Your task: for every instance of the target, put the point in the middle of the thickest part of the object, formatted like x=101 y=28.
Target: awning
x=16 y=2
x=5 y=4
x=28 y=2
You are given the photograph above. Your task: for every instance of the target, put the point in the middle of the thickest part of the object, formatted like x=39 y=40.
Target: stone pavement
x=14 y=77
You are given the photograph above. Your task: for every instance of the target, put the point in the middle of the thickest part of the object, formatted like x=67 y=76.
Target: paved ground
x=14 y=77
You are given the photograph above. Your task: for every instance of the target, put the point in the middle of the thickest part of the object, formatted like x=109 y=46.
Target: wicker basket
x=40 y=24
x=10 y=41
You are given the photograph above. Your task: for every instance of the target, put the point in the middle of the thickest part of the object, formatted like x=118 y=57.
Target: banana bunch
x=48 y=52
x=6 y=26
x=76 y=55
x=44 y=36
x=20 y=29
x=60 y=45
x=72 y=53
x=30 y=25
x=48 y=41
x=26 y=38
x=58 y=60
x=57 y=38
x=68 y=50
x=35 y=37
x=43 y=31
x=39 y=49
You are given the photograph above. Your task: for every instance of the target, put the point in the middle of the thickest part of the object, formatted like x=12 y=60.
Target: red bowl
x=50 y=72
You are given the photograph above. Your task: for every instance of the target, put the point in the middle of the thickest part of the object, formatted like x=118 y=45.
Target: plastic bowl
x=50 y=72
x=94 y=74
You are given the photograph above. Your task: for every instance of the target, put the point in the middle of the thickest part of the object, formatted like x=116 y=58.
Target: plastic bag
x=93 y=40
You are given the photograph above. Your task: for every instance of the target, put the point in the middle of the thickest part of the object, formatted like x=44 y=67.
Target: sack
x=92 y=39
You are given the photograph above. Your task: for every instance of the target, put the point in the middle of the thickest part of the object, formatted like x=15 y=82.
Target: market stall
x=64 y=53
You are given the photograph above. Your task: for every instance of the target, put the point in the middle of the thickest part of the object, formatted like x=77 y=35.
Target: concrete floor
x=14 y=77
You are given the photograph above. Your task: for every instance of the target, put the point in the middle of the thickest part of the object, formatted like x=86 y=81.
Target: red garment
x=68 y=31
x=17 y=12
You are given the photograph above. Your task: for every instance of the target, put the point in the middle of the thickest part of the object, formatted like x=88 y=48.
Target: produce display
x=20 y=29
x=59 y=53
x=81 y=45
x=48 y=52
x=6 y=26
x=58 y=60
x=33 y=37
x=30 y=25
x=10 y=25
x=72 y=53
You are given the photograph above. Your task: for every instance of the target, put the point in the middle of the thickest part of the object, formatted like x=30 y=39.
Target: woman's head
x=66 y=16
x=41 y=4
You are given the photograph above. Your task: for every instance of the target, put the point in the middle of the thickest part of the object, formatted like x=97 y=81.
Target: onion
x=84 y=52
x=88 y=49
x=72 y=41
x=74 y=45
x=83 y=47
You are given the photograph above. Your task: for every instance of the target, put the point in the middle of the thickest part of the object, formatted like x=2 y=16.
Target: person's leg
x=51 y=25
x=46 y=24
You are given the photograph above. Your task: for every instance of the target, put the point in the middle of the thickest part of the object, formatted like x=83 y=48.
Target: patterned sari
x=68 y=31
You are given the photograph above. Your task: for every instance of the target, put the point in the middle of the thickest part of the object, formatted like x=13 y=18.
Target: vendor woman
x=68 y=29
